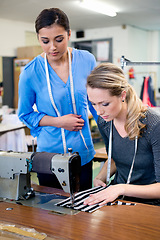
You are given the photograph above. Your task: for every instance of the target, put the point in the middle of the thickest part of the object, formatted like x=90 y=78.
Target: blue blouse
x=33 y=90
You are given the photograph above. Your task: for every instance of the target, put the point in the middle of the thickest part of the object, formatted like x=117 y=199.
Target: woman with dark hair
x=131 y=134
x=55 y=82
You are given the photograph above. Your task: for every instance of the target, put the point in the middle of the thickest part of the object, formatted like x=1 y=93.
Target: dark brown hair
x=52 y=16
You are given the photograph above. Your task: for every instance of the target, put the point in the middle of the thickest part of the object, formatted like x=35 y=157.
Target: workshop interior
x=128 y=36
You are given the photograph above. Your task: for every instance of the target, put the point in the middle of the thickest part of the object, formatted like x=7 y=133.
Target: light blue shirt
x=33 y=90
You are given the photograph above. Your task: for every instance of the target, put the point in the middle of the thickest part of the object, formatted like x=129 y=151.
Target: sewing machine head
x=15 y=170
x=66 y=167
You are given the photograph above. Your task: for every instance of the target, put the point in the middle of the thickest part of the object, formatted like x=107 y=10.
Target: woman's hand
x=107 y=195
x=71 y=122
x=97 y=182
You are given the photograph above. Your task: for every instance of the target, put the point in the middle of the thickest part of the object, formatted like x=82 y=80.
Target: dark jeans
x=50 y=180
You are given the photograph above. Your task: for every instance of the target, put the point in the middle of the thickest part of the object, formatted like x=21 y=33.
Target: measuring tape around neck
x=72 y=96
x=53 y=103
x=109 y=155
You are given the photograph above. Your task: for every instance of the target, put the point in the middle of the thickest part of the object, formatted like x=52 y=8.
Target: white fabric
x=12 y=140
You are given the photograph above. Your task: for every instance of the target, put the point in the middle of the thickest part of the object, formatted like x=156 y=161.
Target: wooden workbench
x=109 y=222
x=100 y=155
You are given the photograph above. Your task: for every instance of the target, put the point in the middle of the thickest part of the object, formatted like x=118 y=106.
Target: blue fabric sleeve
x=27 y=96
x=93 y=111
x=91 y=108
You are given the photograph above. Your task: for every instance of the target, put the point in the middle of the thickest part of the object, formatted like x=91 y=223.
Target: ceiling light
x=98 y=7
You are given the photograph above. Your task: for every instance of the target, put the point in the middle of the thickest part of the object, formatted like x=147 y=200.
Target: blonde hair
x=109 y=76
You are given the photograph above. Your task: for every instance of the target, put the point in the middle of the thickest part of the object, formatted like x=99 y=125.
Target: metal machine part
x=66 y=167
x=14 y=175
x=15 y=170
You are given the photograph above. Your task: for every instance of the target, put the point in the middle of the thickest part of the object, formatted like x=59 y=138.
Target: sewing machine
x=15 y=168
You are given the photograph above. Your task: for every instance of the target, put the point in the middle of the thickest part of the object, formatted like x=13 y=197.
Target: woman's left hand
x=107 y=195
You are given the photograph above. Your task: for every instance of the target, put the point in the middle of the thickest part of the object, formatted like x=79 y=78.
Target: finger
x=79 y=118
x=103 y=184
x=97 y=198
x=80 y=121
x=78 y=128
x=99 y=183
x=86 y=201
x=78 y=124
x=96 y=201
x=75 y=129
x=104 y=202
x=91 y=200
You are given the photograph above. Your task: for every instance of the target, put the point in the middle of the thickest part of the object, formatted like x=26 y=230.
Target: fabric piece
x=147 y=92
x=80 y=197
x=12 y=140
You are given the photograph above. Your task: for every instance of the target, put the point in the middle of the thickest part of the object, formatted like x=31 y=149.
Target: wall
x=1 y=70
x=135 y=44
x=145 y=47
x=118 y=35
x=31 y=39
x=13 y=36
x=128 y=41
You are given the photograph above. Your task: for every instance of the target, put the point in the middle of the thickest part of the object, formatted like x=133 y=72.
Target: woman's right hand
x=97 y=182
x=71 y=122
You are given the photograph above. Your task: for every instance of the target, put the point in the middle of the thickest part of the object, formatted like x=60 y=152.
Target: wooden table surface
x=139 y=222
x=101 y=154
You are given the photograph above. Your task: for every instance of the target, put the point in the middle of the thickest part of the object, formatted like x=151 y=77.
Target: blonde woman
x=131 y=134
